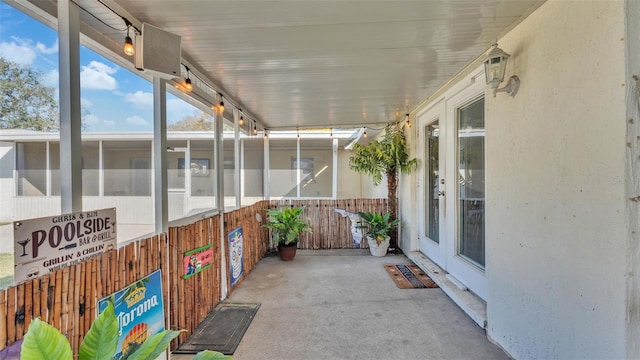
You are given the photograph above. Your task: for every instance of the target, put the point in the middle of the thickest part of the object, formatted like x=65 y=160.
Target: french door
x=432 y=229
x=452 y=210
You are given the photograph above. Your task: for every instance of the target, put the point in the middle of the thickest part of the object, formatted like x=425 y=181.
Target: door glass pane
x=433 y=158
x=471 y=181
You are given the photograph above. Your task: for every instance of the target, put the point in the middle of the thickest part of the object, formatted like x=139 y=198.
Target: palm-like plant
x=286 y=225
x=388 y=156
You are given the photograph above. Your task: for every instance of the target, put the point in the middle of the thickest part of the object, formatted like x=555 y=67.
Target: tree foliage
x=197 y=122
x=25 y=102
x=388 y=156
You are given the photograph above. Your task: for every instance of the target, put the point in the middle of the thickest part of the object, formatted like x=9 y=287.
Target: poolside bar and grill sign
x=46 y=244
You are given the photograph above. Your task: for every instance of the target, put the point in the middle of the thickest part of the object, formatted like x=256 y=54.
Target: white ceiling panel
x=311 y=63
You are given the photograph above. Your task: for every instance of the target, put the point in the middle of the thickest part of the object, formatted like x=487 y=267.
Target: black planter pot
x=287 y=252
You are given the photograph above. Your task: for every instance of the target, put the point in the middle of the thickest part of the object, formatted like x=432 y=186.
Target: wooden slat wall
x=256 y=239
x=191 y=300
x=67 y=298
x=330 y=229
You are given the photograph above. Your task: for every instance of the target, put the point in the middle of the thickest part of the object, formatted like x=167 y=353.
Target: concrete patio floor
x=341 y=304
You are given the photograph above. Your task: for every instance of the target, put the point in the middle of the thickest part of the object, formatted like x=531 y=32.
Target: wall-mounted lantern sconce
x=494 y=69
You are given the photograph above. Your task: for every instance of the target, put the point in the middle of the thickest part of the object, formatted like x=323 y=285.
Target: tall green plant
x=44 y=342
x=388 y=157
x=286 y=225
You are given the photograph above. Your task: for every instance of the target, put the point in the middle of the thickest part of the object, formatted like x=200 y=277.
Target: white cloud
x=91 y=119
x=43 y=49
x=21 y=54
x=140 y=99
x=97 y=76
x=136 y=120
x=86 y=102
x=24 y=51
x=51 y=78
x=109 y=123
x=177 y=109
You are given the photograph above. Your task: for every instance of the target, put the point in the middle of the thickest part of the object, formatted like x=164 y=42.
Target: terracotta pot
x=378 y=249
x=287 y=252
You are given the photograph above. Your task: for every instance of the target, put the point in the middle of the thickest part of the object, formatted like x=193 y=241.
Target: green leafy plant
x=211 y=355
x=377 y=226
x=286 y=225
x=44 y=342
x=388 y=156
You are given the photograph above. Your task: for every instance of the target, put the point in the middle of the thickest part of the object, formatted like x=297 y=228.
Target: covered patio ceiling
x=307 y=63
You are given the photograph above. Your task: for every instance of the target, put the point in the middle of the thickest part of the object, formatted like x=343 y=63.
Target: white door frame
x=462 y=269
x=436 y=251
x=445 y=253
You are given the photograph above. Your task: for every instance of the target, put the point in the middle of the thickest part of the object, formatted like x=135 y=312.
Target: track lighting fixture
x=364 y=135
x=241 y=121
x=129 y=50
x=221 y=105
x=255 y=128
x=408 y=121
x=331 y=133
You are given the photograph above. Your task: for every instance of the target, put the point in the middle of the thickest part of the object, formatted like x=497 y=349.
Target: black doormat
x=221 y=330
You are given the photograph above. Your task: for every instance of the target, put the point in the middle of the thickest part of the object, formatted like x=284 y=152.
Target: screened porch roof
x=309 y=64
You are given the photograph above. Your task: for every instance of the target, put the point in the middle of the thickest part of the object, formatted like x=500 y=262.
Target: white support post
x=160 y=155
x=101 y=168
x=219 y=161
x=159 y=178
x=188 y=189
x=242 y=172
x=19 y=148
x=266 y=171
x=334 y=182
x=298 y=175
x=236 y=156
x=48 y=170
x=70 y=112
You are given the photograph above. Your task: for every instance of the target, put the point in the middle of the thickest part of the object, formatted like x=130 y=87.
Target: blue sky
x=116 y=98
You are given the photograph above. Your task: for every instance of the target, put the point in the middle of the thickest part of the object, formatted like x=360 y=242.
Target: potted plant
x=377 y=228
x=286 y=225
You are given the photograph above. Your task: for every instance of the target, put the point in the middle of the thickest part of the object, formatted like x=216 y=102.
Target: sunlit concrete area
x=342 y=304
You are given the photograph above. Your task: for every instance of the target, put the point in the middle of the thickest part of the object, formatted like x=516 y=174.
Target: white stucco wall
x=408 y=195
x=633 y=178
x=367 y=189
x=349 y=181
x=556 y=223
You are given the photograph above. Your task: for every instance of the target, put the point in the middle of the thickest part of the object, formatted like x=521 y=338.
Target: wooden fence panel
x=191 y=299
x=67 y=298
x=330 y=229
x=256 y=239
